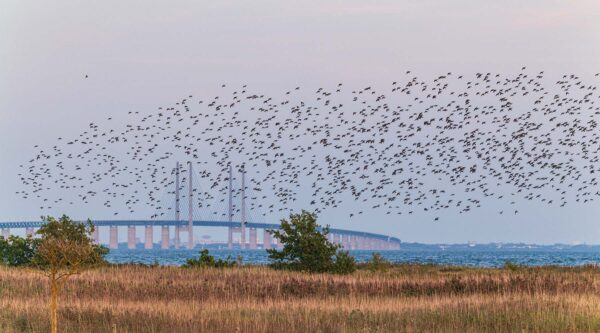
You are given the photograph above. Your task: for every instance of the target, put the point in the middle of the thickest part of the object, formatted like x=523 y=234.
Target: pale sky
x=141 y=54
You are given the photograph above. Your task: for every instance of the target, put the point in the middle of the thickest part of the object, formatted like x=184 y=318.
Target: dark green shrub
x=306 y=247
x=17 y=251
x=206 y=260
x=344 y=263
x=378 y=263
x=511 y=266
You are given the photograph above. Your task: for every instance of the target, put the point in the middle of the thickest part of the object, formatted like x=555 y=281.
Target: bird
x=450 y=143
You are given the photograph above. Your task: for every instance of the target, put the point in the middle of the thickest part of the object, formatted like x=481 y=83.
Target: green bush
x=17 y=251
x=306 y=247
x=511 y=266
x=378 y=263
x=206 y=260
x=344 y=263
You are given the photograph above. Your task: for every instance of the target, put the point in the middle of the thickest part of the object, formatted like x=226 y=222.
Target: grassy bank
x=257 y=299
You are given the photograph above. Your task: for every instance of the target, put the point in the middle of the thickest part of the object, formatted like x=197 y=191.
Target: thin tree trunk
x=53 y=303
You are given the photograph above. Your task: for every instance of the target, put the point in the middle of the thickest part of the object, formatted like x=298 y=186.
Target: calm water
x=479 y=258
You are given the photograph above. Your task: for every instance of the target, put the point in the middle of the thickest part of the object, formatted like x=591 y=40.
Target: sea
x=489 y=255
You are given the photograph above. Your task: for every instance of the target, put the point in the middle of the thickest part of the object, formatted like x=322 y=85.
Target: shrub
x=306 y=247
x=511 y=266
x=378 y=263
x=206 y=260
x=344 y=263
x=17 y=251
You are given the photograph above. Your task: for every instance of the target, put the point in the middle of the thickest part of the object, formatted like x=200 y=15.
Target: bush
x=206 y=260
x=378 y=263
x=306 y=247
x=344 y=263
x=17 y=251
x=511 y=266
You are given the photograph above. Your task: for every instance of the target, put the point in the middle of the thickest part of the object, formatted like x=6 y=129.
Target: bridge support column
x=336 y=238
x=361 y=243
x=242 y=237
x=96 y=234
x=267 y=240
x=6 y=233
x=114 y=237
x=131 y=237
x=253 y=239
x=229 y=238
x=177 y=243
x=164 y=235
x=354 y=242
x=148 y=241
x=190 y=240
x=29 y=232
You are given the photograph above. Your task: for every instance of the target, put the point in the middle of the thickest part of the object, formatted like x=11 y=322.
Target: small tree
x=378 y=263
x=65 y=249
x=17 y=251
x=206 y=260
x=306 y=247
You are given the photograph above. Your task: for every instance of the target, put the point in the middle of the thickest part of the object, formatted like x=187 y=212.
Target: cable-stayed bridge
x=171 y=230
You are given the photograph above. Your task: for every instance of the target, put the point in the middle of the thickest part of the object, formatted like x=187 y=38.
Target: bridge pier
x=5 y=232
x=177 y=243
x=190 y=240
x=230 y=238
x=335 y=238
x=354 y=243
x=164 y=235
x=253 y=240
x=242 y=237
x=29 y=232
x=148 y=237
x=346 y=242
x=267 y=240
x=113 y=237
x=131 y=237
x=96 y=235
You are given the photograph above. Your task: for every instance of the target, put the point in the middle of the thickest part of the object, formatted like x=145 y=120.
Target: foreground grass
x=406 y=298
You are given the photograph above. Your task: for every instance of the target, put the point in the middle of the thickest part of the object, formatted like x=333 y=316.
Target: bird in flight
x=445 y=143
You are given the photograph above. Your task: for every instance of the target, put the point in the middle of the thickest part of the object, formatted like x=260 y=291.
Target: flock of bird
x=447 y=143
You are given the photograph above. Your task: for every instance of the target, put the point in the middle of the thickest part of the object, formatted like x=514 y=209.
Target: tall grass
x=405 y=298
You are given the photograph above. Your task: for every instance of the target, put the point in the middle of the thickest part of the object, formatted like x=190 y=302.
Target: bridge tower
x=243 y=221
x=230 y=210
x=177 y=212
x=190 y=227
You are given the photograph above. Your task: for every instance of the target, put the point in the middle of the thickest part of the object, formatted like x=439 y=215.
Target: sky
x=140 y=55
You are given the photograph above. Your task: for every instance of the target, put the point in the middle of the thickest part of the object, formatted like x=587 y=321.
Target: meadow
x=403 y=298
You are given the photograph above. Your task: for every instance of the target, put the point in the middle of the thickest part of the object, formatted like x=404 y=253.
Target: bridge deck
x=198 y=223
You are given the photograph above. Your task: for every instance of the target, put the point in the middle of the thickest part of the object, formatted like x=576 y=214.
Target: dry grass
x=407 y=298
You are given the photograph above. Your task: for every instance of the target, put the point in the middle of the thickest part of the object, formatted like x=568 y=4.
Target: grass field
x=406 y=298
